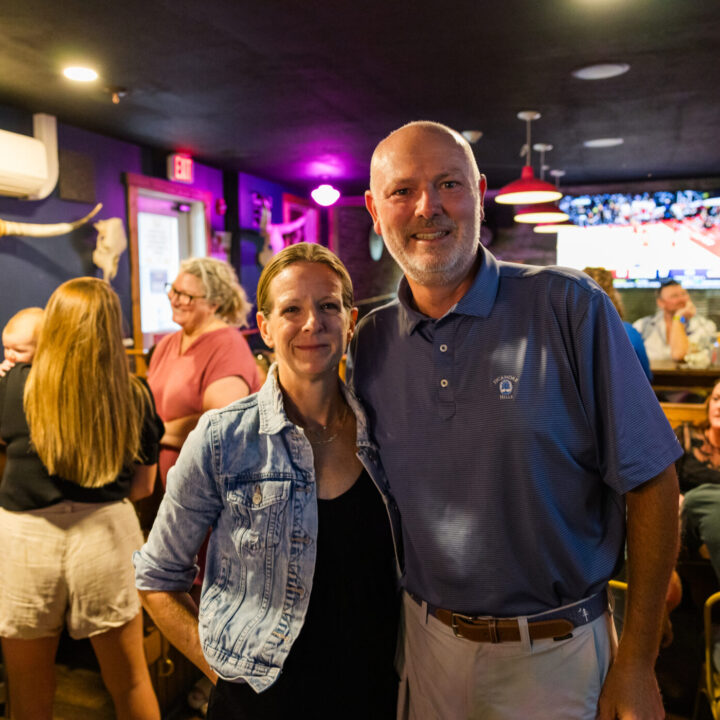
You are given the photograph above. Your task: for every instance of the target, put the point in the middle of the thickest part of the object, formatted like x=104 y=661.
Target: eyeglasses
x=183 y=298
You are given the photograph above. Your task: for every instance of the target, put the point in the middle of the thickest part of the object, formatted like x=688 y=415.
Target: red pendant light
x=549 y=228
x=528 y=190
x=540 y=213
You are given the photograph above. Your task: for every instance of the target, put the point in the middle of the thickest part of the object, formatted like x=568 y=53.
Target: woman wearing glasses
x=207 y=363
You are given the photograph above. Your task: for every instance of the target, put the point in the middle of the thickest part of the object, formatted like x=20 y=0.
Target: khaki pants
x=448 y=678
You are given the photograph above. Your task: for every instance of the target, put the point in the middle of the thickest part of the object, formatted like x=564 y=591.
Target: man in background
x=497 y=395
x=675 y=329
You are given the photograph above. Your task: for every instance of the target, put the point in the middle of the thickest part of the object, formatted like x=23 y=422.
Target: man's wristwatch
x=681 y=318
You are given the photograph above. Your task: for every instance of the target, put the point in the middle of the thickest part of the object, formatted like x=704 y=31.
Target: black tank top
x=341 y=665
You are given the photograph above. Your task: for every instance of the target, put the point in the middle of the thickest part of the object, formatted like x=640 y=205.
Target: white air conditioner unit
x=29 y=165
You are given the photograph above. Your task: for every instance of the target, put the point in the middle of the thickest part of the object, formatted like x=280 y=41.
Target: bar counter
x=672 y=375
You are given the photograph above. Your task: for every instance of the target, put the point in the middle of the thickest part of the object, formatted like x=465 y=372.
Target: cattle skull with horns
x=110 y=244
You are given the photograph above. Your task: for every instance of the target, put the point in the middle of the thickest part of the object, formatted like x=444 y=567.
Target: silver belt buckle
x=470 y=620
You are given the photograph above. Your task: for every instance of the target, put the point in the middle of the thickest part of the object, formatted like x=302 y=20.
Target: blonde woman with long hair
x=82 y=442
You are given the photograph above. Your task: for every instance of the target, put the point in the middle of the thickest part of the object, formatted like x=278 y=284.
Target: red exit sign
x=180 y=168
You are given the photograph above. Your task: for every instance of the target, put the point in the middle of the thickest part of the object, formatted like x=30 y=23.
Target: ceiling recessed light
x=602 y=71
x=603 y=142
x=80 y=74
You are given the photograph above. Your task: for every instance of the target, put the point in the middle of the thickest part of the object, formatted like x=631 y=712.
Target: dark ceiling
x=300 y=91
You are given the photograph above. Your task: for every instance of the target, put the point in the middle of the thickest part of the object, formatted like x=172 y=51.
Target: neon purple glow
x=325 y=195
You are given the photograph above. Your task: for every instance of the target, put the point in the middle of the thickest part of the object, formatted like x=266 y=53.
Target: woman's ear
x=351 y=326
x=264 y=328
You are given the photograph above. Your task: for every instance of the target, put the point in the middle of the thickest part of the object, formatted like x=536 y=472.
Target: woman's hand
x=176 y=615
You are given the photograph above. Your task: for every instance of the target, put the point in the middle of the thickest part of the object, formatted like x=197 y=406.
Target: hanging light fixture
x=528 y=190
x=541 y=212
x=552 y=226
x=325 y=195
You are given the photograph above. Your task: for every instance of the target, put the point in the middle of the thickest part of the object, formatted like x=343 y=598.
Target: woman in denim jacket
x=298 y=613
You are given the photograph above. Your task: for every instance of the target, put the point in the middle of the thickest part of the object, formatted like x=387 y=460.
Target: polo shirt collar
x=478 y=301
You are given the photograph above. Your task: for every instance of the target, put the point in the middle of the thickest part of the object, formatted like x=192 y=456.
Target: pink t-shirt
x=178 y=382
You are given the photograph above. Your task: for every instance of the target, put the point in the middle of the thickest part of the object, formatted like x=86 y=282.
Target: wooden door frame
x=134 y=184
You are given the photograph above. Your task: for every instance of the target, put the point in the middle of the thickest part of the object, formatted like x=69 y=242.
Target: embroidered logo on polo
x=506 y=386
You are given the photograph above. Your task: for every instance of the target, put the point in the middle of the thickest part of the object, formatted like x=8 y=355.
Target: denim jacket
x=247 y=471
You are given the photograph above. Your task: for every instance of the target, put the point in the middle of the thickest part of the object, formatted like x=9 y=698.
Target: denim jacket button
x=257 y=496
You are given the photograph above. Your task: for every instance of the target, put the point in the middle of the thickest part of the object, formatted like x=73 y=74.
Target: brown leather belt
x=553 y=624
x=497 y=630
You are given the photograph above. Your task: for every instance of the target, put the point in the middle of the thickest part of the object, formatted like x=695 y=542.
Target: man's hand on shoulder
x=630 y=693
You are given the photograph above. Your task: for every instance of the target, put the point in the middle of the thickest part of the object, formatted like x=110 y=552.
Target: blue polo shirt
x=510 y=430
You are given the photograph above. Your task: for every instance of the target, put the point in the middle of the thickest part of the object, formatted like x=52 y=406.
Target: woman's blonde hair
x=222 y=288
x=302 y=252
x=604 y=279
x=84 y=409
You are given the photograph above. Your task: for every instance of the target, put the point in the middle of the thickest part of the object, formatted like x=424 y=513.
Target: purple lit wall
x=31 y=268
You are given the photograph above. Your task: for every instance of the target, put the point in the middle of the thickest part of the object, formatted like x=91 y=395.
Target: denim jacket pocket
x=257 y=505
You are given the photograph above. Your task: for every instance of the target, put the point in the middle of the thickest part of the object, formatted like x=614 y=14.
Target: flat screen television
x=644 y=238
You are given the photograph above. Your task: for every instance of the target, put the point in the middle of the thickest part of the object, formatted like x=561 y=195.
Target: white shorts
x=70 y=563
x=450 y=678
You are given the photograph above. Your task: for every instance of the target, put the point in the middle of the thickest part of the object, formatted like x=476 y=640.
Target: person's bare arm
x=630 y=691
x=222 y=392
x=143 y=482
x=177 y=430
x=678 y=340
x=218 y=394
x=176 y=615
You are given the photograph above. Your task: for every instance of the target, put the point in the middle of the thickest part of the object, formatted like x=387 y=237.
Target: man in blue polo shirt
x=516 y=426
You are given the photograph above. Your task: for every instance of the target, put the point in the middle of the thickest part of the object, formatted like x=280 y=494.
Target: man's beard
x=448 y=267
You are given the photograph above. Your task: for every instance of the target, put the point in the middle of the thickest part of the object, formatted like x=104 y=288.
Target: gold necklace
x=319 y=440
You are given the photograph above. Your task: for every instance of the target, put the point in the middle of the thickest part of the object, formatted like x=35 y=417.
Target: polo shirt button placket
x=444 y=366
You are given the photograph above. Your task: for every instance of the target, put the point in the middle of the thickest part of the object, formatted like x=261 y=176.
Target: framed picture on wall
x=295 y=208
